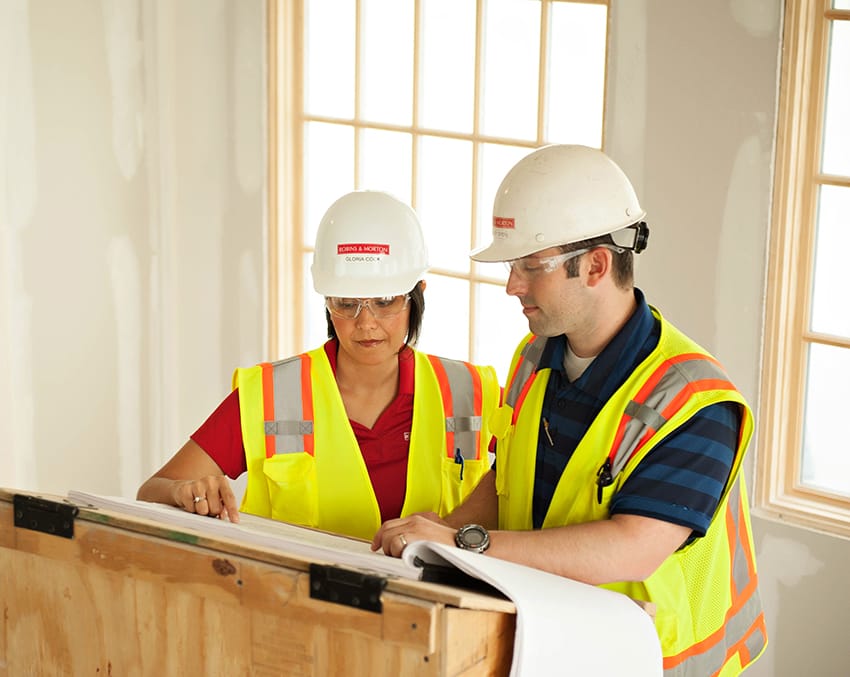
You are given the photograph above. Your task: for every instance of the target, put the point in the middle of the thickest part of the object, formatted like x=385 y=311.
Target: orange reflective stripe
x=521 y=398
x=288 y=406
x=739 y=599
x=477 y=399
x=476 y=386
x=741 y=647
x=699 y=386
x=307 y=399
x=522 y=358
x=745 y=542
x=268 y=403
x=731 y=527
x=446 y=393
x=720 y=633
x=618 y=438
x=675 y=403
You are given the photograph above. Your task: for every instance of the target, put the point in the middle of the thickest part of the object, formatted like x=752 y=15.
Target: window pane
x=500 y=325
x=831 y=287
x=329 y=73
x=496 y=161
x=836 y=135
x=448 y=64
x=576 y=73
x=826 y=446
x=510 y=71
x=841 y=4
x=328 y=171
x=444 y=202
x=445 y=325
x=386 y=162
x=387 y=70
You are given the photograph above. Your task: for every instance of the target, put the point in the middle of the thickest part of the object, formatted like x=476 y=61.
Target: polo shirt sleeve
x=681 y=480
x=221 y=437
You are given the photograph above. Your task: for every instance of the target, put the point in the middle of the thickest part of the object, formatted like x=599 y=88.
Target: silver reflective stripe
x=740 y=568
x=463 y=425
x=464 y=421
x=531 y=353
x=288 y=426
x=710 y=661
x=736 y=627
x=648 y=415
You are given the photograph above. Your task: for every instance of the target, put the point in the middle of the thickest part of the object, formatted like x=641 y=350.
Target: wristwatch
x=472 y=537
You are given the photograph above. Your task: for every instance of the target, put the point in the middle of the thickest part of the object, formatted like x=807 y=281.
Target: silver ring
x=198 y=499
x=403 y=541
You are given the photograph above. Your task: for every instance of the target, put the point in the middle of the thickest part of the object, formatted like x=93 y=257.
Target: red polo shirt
x=384 y=447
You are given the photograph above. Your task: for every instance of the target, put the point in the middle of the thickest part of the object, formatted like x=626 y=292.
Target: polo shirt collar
x=615 y=358
x=406 y=365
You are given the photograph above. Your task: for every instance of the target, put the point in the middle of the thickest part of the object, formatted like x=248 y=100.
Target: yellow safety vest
x=709 y=616
x=304 y=463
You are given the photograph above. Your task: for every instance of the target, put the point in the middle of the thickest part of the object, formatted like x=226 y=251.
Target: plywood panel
x=112 y=601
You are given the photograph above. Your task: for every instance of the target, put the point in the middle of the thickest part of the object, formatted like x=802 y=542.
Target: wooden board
x=121 y=599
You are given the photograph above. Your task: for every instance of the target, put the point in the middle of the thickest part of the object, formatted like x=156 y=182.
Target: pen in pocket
x=459 y=460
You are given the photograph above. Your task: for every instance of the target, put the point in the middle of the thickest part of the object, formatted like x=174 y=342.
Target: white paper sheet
x=289 y=538
x=563 y=627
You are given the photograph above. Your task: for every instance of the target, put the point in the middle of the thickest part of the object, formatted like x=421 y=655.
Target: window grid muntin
x=475 y=274
x=780 y=491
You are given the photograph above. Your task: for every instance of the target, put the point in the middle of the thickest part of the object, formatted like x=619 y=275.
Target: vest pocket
x=293 y=493
x=459 y=481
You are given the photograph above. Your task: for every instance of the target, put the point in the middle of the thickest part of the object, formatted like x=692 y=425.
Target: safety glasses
x=381 y=307
x=529 y=267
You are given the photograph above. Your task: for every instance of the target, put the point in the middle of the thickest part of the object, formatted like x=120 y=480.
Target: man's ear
x=599 y=262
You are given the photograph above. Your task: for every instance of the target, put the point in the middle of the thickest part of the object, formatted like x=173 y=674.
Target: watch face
x=473 y=537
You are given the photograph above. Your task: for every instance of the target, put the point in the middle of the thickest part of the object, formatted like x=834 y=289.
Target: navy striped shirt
x=680 y=480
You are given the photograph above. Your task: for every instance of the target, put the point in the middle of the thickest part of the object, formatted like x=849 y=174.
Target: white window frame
x=780 y=493
x=286 y=120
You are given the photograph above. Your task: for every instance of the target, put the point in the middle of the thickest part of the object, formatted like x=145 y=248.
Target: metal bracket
x=49 y=517
x=343 y=586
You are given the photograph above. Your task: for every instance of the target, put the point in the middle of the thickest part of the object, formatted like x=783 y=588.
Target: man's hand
x=395 y=535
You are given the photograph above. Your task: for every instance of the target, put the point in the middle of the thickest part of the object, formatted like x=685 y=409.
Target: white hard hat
x=369 y=244
x=560 y=194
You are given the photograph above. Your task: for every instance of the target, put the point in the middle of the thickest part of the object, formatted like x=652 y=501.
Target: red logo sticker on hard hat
x=362 y=248
x=503 y=222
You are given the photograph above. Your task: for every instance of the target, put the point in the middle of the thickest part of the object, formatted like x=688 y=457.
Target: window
x=804 y=446
x=433 y=101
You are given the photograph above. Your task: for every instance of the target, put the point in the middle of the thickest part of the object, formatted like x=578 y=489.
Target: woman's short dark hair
x=414 y=322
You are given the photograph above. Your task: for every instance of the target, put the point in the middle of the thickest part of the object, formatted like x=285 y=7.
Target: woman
x=362 y=429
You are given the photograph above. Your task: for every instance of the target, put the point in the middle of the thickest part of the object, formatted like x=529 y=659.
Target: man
x=618 y=458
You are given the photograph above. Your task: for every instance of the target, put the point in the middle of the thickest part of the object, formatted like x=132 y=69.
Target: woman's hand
x=210 y=495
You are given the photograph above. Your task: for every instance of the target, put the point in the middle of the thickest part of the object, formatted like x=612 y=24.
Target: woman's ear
x=422 y=284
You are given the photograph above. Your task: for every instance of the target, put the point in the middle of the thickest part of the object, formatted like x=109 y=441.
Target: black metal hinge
x=49 y=517
x=343 y=586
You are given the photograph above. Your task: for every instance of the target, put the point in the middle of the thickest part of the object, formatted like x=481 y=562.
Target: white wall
x=132 y=221
x=693 y=89
x=131 y=230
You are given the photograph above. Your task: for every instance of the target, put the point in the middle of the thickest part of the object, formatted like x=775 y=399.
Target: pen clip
x=459 y=459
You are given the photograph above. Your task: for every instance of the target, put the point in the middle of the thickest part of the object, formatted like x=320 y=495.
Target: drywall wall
x=692 y=95
x=131 y=237
x=131 y=230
